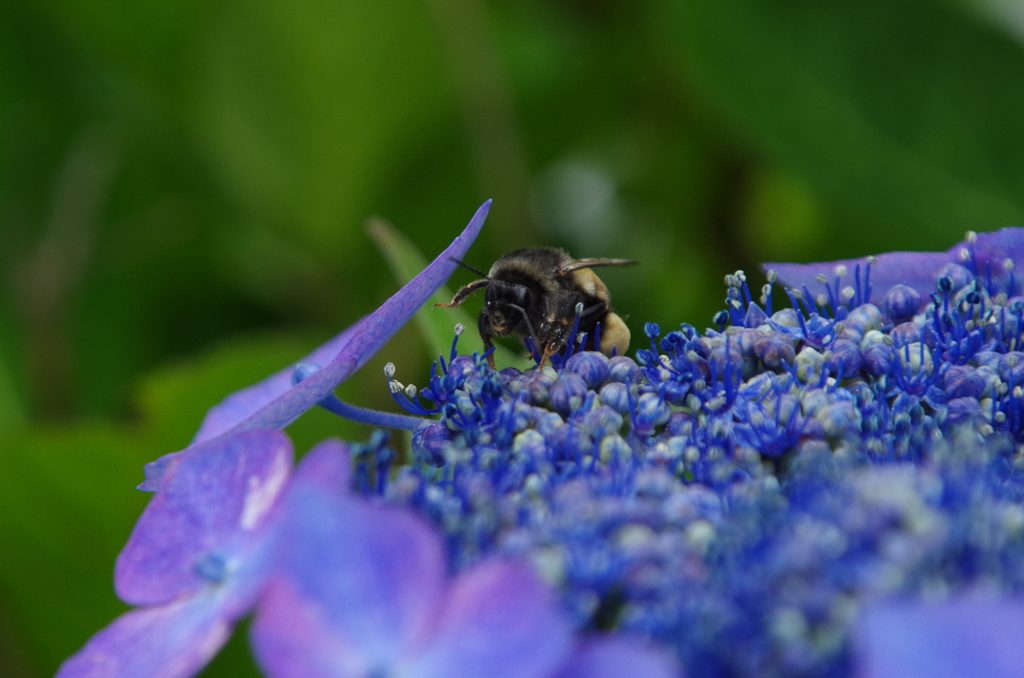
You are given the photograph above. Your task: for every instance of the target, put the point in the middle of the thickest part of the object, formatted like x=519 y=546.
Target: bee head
x=507 y=305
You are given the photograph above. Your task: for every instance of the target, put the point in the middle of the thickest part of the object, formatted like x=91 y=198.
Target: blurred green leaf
x=436 y=324
x=67 y=505
x=907 y=114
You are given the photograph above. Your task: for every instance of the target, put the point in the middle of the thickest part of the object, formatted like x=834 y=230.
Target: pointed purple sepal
x=951 y=639
x=207 y=519
x=275 y=402
x=919 y=270
x=240 y=405
x=171 y=641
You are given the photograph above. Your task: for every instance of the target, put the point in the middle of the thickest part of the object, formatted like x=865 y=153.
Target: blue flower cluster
x=740 y=494
x=772 y=498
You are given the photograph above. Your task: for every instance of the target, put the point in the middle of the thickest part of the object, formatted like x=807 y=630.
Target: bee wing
x=577 y=264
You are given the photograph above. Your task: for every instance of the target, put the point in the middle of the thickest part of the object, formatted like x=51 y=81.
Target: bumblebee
x=539 y=293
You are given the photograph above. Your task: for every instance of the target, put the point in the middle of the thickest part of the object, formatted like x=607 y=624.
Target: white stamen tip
x=459 y=329
x=410 y=390
x=841 y=270
x=389 y=370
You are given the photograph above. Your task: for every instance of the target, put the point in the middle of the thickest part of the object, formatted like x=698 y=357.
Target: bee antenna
x=465 y=265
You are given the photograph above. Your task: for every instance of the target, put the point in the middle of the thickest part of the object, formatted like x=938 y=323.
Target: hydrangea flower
x=196 y=560
x=716 y=491
x=740 y=497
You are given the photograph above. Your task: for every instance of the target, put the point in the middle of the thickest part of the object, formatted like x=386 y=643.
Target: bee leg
x=465 y=292
x=549 y=350
x=484 y=326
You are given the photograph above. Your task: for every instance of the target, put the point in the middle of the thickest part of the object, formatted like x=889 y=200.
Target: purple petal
x=992 y=249
x=499 y=620
x=360 y=587
x=617 y=657
x=328 y=465
x=276 y=404
x=919 y=270
x=171 y=641
x=209 y=515
x=914 y=269
x=240 y=405
x=945 y=640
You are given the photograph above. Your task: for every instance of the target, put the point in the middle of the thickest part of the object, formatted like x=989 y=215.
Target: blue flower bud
x=602 y=421
x=511 y=379
x=945 y=284
x=864 y=318
x=808 y=364
x=755 y=316
x=429 y=443
x=568 y=393
x=962 y=381
x=652 y=410
x=646 y=357
x=901 y=303
x=569 y=443
x=906 y=333
x=1011 y=368
x=624 y=370
x=652 y=330
x=744 y=340
x=962 y=410
x=775 y=350
x=537 y=386
x=813 y=429
x=462 y=365
x=846 y=359
x=787 y=317
x=616 y=396
x=591 y=366
x=680 y=424
x=957 y=275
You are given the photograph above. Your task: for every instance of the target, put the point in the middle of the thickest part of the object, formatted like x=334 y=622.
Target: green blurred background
x=184 y=187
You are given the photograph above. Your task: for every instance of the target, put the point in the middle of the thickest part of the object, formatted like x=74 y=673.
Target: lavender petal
x=500 y=619
x=944 y=640
x=172 y=641
x=210 y=514
x=366 y=580
x=918 y=270
x=618 y=657
x=240 y=405
x=914 y=269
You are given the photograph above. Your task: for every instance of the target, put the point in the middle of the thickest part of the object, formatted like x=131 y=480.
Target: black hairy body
x=539 y=292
